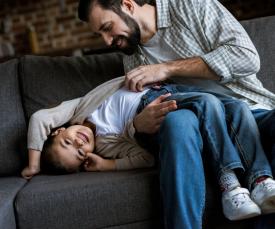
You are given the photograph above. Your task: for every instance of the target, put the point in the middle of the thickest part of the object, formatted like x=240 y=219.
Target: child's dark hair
x=49 y=164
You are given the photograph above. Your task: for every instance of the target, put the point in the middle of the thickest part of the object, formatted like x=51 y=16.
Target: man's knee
x=180 y=117
x=180 y=122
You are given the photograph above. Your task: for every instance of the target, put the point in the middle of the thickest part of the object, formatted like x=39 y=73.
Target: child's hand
x=28 y=172
x=97 y=163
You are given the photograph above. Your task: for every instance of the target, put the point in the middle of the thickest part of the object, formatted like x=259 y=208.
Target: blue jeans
x=266 y=123
x=201 y=121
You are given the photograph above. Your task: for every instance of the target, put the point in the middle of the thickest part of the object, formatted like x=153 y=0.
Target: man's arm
x=192 y=67
x=228 y=54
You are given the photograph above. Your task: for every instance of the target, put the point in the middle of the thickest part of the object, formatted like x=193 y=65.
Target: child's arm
x=40 y=125
x=34 y=164
x=43 y=121
x=97 y=163
x=124 y=151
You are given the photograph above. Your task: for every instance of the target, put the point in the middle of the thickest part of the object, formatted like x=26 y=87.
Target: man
x=200 y=42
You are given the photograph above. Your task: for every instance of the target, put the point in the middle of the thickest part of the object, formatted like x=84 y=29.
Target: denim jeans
x=266 y=124
x=220 y=124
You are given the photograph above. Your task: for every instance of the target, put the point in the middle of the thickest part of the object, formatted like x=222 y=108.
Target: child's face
x=71 y=145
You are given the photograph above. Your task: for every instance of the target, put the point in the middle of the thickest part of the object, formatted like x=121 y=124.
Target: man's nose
x=107 y=39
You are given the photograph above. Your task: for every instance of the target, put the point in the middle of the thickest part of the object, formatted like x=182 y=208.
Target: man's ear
x=58 y=131
x=127 y=6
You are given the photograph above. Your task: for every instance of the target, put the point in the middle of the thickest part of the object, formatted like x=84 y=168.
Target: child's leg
x=211 y=115
x=245 y=135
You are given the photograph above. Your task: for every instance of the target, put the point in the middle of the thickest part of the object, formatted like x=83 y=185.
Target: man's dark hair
x=49 y=164
x=84 y=6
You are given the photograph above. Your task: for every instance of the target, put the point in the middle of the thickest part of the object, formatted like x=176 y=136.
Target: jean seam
x=209 y=136
x=239 y=146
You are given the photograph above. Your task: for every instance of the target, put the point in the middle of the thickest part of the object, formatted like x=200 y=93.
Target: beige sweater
x=123 y=148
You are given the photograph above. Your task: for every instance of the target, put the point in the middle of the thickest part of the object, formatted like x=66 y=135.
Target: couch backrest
x=46 y=81
x=12 y=124
x=261 y=31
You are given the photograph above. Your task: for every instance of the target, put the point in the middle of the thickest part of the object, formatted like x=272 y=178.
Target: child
x=115 y=143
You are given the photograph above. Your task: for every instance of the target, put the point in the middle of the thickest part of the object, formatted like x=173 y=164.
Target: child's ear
x=58 y=131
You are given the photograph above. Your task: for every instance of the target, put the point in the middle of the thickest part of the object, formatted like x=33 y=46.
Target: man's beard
x=134 y=37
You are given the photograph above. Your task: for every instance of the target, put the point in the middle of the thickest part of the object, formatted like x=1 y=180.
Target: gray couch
x=113 y=200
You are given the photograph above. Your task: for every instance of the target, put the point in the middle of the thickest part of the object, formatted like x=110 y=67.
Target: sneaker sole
x=251 y=215
x=256 y=211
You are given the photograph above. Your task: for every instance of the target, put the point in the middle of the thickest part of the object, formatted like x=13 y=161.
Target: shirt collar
x=163 y=15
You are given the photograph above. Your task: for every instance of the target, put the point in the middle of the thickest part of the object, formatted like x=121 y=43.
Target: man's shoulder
x=178 y=7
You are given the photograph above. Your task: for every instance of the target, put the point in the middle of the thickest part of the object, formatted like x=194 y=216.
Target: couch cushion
x=261 y=31
x=46 y=81
x=12 y=125
x=8 y=190
x=88 y=200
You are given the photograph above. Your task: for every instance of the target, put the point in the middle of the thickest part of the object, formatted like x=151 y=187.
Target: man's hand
x=146 y=74
x=97 y=163
x=193 y=67
x=149 y=120
x=29 y=171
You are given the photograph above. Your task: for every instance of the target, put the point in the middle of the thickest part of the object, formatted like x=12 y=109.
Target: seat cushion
x=13 y=127
x=88 y=200
x=9 y=186
x=47 y=81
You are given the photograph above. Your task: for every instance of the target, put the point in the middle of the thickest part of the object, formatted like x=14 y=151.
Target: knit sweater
x=122 y=148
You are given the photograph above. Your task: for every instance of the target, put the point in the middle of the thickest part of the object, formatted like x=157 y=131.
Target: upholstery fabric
x=48 y=81
x=149 y=224
x=12 y=125
x=9 y=186
x=88 y=200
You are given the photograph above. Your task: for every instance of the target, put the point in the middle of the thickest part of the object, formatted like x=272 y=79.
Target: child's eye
x=68 y=142
x=81 y=153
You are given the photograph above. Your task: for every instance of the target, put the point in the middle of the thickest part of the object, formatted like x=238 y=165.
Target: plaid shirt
x=205 y=28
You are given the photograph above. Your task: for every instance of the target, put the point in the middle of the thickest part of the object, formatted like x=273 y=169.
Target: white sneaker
x=264 y=195
x=238 y=205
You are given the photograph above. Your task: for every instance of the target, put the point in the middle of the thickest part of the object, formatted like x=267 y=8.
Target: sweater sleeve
x=124 y=150
x=136 y=158
x=140 y=159
x=43 y=121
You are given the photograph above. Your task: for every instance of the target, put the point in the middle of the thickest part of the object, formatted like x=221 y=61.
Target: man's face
x=71 y=145
x=119 y=31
